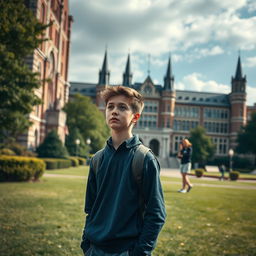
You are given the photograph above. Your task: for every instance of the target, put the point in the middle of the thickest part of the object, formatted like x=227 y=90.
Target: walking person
x=222 y=170
x=185 y=155
x=124 y=214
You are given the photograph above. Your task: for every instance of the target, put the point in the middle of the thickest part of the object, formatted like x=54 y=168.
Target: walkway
x=176 y=174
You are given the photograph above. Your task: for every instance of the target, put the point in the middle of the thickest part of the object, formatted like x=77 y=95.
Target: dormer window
x=148 y=89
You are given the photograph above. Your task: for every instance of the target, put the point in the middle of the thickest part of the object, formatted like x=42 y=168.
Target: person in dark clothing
x=115 y=224
x=222 y=170
x=185 y=155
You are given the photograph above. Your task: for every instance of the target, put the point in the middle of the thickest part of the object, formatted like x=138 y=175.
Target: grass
x=46 y=218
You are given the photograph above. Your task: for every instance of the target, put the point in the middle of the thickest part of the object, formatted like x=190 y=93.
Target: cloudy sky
x=203 y=37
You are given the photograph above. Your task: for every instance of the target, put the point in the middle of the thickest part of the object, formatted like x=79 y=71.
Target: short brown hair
x=136 y=98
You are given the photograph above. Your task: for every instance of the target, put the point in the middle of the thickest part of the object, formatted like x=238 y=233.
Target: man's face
x=119 y=114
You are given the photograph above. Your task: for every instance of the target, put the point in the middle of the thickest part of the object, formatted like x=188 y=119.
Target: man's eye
x=110 y=106
x=122 y=108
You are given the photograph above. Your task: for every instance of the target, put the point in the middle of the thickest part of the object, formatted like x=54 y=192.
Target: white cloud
x=190 y=29
x=250 y=62
x=251 y=6
x=194 y=82
x=251 y=95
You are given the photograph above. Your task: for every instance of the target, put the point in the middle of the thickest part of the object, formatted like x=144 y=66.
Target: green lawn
x=46 y=218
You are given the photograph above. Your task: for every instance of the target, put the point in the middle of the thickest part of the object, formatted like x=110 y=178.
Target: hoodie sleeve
x=91 y=191
x=155 y=214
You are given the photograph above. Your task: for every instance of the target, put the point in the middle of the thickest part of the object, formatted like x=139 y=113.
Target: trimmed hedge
x=16 y=168
x=7 y=152
x=199 y=172
x=56 y=163
x=234 y=175
x=82 y=161
x=74 y=161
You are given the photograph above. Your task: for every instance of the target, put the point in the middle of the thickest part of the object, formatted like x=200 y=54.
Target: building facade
x=170 y=114
x=50 y=60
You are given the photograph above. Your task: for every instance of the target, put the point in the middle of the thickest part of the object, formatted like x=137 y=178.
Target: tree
x=90 y=121
x=203 y=148
x=52 y=146
x=246 y=138
x=74 y=149
x=20 y=34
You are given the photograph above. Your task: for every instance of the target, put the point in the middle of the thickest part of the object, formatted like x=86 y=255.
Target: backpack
x=137 y=168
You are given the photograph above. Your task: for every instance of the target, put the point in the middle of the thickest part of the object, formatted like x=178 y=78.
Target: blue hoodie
x=114 y=221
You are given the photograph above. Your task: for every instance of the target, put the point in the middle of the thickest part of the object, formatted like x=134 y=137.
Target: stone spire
x=169 y=79
x=127 y=75
x=104 y=73
x=239 y=74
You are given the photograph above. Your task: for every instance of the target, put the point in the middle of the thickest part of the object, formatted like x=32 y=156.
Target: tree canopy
x=90 y=121
x=203 y=148
x=20 y=34
x=52 y=146
x=246 y=138
x=81 y=149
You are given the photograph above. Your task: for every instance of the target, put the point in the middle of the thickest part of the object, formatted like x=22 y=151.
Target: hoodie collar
x=129 y=143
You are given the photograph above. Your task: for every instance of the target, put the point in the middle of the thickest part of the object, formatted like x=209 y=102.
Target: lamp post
x=77 y=141
x=88 y=141
x=230 y=153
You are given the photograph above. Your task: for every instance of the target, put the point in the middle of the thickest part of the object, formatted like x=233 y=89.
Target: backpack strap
x=138 y=162
x=96 y=160
x=137 y=171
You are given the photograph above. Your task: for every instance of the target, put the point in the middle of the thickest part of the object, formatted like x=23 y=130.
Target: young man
x=116 y=222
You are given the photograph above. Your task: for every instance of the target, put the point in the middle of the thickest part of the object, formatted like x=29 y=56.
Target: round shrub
x=15 y=168
x=199 y=172
x=7 y=152
x=82 y=161
x=52 y=147
x=234 y=175
x=74 y=161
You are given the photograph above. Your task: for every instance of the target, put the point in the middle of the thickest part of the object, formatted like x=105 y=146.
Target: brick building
x=51 y=60
x=169 y=114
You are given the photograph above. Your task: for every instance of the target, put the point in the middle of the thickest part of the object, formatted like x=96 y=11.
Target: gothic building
x=169 y=114
x=50 y=59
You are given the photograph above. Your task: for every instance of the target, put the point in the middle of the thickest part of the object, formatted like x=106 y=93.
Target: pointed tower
x=104 y=73
x=169 y=79
x=127 y=75
x=168 y=100
x=237 y=103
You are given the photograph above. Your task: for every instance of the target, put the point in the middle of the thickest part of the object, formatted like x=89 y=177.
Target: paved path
x=171 y=173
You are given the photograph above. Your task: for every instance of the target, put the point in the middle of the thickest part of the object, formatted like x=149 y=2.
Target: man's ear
x=136 y=117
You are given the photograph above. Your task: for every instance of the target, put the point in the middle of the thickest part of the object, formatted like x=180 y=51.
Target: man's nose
x=114 y=111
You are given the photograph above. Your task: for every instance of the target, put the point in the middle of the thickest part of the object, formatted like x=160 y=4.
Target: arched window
x=42 y=18
x=51 y=84
x=36 y=137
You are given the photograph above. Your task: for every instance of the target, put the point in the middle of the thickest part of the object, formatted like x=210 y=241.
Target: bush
x=15 y=168
x=199 y=172
x=234 y=175
x=82 y=161
x=50 y=163
x=52 y=147
x=55 y=163
x=16 y=149
x=64 y=163
x=74 y=161
x=242 y=162
x=7 y=152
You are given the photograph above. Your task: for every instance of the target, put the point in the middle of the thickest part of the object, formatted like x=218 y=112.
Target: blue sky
x=203 y=38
